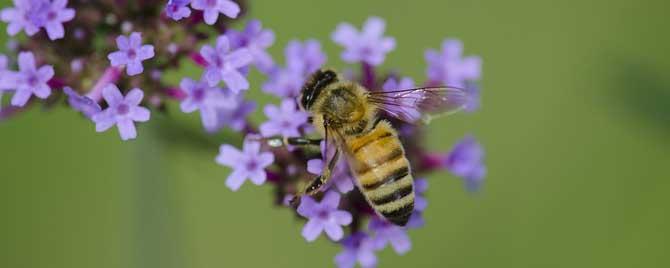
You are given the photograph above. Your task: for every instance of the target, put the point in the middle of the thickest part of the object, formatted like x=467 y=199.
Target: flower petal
x=112 y=95
x=334 y=231
x=126 y=129
x=312 y=230
x=235 y=180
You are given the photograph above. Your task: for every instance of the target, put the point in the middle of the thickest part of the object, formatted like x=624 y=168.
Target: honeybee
x=346 y=115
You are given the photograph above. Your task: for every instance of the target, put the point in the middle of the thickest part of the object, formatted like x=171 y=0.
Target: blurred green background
x=575 y=121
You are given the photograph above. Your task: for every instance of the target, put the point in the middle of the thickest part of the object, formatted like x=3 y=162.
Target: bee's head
x=314 y=86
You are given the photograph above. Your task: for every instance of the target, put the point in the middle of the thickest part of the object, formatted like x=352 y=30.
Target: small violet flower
x=131 y=53
x=236 y=117
x=285 y=120
x=80 y=103
x=246 y=164
x=19 y=17
x=306 y=57
x=466 y=161
x=212 y=8
x=368 y=46
x=302 y=59
x=122 y=111
x=255 y=39
x=405 y=108
x=449 y=67
x=207 y=99
x=52 y=15
x=5 y=75
x=30 y=80
x=178 y=9
x=358 y=247
x=420 y=204
x=223 y=64
x=385 y=233
x=323 y=216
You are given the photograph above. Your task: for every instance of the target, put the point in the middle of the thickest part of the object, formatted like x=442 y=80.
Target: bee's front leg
x=318 y=182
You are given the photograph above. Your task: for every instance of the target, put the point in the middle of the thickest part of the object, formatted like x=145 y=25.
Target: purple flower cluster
x=96 y=85
x=32 y=15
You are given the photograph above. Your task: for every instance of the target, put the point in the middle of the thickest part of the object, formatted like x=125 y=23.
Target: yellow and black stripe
x=383 y=173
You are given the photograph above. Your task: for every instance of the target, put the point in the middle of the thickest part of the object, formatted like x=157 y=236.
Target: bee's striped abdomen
x=383 y=173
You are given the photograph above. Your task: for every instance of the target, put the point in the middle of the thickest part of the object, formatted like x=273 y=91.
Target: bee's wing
x=423 y=103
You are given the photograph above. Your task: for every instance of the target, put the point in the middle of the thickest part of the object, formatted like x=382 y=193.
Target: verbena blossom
x=466 y=161
x=357 y=248
x=83 y=104
x=121 y=111
x=131 y=53
x=246 y=164
x=384 y=233
x=302 y=59
x=205 y=98
x=285 y=120
x=212 y=8
x=19 y=17
x=223 y=64
x=323 y=216
x=30 y=80
x=235 y=117
x=256 y=40
x=31 y=15
x=5 y=75
x=52 y=15
x=449 y=67
x=369 y=46
x=178 y=9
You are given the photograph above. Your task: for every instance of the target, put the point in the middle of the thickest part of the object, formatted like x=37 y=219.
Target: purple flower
x=285 y=120
x=122 y=112
x=212 y=8
x=223 y=64
x=420 y=188
x=385 y=233
x=403 y=109
x=5 y=75
x=302 y=59
x=52 y=15
x=466 y=161
x=285 y=83
x=323 y=216
x=82 y=104
x=369 y=46
x=131 y=53
x=255 y=39
x=474 y=97
x=306 y=57
x=20 y=17
x=236 y=117
x=449 y=67
x=31 y=80
x=340 y=174
x=358 y=247
x=178 y=9
x=207 y=99
x=246 y=164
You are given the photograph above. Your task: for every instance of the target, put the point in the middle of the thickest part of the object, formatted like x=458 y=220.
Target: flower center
x=252 y=165
x=212 y=3
x=52 y=15
x=122 y=109
x=32 y=80
x=132 y=53
x=323 y=214
x=218 y=62
x=199 y=94
x=285 y=124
